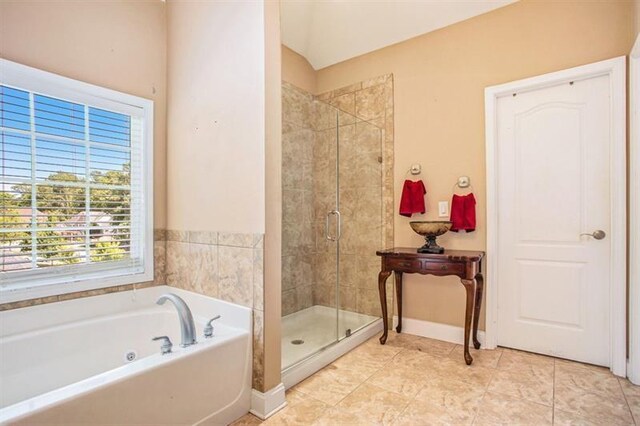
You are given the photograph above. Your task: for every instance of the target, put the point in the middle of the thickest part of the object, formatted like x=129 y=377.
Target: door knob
x=597 y=234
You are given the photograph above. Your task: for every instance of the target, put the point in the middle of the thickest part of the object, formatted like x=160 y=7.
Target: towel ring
x=469 y=187
x=415 y=169
x=464 y=182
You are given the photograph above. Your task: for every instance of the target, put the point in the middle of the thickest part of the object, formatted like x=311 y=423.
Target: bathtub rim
x=74 y=310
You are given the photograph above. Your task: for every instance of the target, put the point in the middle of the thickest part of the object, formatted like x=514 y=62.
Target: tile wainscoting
x=227 y=266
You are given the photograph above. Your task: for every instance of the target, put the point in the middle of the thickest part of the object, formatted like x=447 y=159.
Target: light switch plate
x=443 y=209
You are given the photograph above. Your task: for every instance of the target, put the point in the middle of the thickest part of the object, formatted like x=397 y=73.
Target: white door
x=553 y=186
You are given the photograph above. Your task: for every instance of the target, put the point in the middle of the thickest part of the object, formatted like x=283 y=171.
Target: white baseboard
x=266 y=404
x=434 y=330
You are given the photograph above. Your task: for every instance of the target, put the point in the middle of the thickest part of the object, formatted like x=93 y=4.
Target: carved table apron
x=465 y=264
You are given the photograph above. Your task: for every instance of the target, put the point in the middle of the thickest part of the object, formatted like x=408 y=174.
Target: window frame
x=88 y=278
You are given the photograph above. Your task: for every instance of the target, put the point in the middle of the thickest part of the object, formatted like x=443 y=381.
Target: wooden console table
x=461 y=263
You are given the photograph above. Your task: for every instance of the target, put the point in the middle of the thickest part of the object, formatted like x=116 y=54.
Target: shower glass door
x=360 y=204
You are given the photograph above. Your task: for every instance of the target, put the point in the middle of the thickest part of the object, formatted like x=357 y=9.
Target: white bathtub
x=66 y=362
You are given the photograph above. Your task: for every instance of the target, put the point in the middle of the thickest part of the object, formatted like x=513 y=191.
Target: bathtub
x=91 y=360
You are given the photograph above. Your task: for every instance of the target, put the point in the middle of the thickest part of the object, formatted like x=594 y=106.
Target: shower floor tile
x=317 y=327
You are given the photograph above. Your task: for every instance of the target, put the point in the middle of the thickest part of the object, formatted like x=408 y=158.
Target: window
x=75 y=185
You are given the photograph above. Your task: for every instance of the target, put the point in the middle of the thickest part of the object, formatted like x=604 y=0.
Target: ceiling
x=326 y=32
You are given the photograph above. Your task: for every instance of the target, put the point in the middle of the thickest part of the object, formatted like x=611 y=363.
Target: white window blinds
x=72 y=196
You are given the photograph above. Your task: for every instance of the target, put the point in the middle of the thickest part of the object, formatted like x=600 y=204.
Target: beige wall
x=216 y=93
x=118 y=45
x=439 y=81
x=216 y=156
x=298 y=71
x=636 y=14
x=273 y=194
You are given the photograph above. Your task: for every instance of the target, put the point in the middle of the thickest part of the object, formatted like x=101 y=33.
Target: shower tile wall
x=298 y=240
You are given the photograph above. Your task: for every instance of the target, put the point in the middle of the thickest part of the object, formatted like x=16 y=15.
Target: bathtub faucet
x=187 y=327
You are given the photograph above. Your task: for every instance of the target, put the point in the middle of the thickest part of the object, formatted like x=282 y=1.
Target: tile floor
x=417 y=381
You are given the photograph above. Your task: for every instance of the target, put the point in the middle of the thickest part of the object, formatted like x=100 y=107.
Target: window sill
x=9 y=295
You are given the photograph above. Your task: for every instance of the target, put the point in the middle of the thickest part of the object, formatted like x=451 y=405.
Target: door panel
x=538 y=279
x=540 y=194
x=553 y=173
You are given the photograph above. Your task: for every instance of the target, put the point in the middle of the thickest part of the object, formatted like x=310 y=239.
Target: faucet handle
x=208 y=329
x=166 y=344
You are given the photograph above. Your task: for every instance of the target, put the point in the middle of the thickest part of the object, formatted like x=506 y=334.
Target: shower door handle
x=338 y=225
x=326 y=227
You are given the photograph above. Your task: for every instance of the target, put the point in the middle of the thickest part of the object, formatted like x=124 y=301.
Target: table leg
x=470 y=287
x=476 y=309
x=382 y=289
x=399 y=297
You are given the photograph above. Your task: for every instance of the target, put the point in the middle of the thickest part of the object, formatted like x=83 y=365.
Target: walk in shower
x=333 y=183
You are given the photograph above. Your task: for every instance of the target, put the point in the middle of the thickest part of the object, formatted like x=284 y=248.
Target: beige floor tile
x=330 y=384
x=634 y=405
x=247 y=420
x=525 y=361
x=339 y=417
x=481 y=357
x=499 y=409
x=592 y=405
x=359 y=367
x=420 y=413
x=302 y=413
x=400 y=340
x=398 y=378
x=632 y=395
x=366 y=359
x=422 y=362
x=629 y=388
x=588 y=378
x=451 y=394
x=523 y=385
x=582 y=365
x=563 y=418
x=472 y=374
x=431 y=346
x=293 y=396
x=374 y=404
x=373 y=347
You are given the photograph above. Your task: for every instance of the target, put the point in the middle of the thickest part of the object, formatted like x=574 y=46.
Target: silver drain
x=297 y=342
x=130 y=356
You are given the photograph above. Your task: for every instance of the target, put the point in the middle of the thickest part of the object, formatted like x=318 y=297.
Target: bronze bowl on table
x=430 y=230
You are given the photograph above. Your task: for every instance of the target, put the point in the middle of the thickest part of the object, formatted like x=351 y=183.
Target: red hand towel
x=412 y=199
x=463 y=213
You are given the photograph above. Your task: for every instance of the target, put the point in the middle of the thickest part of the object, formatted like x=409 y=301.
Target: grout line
x=499 y=358
x=553 y=394
x=624 y=395
x=486 y=390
